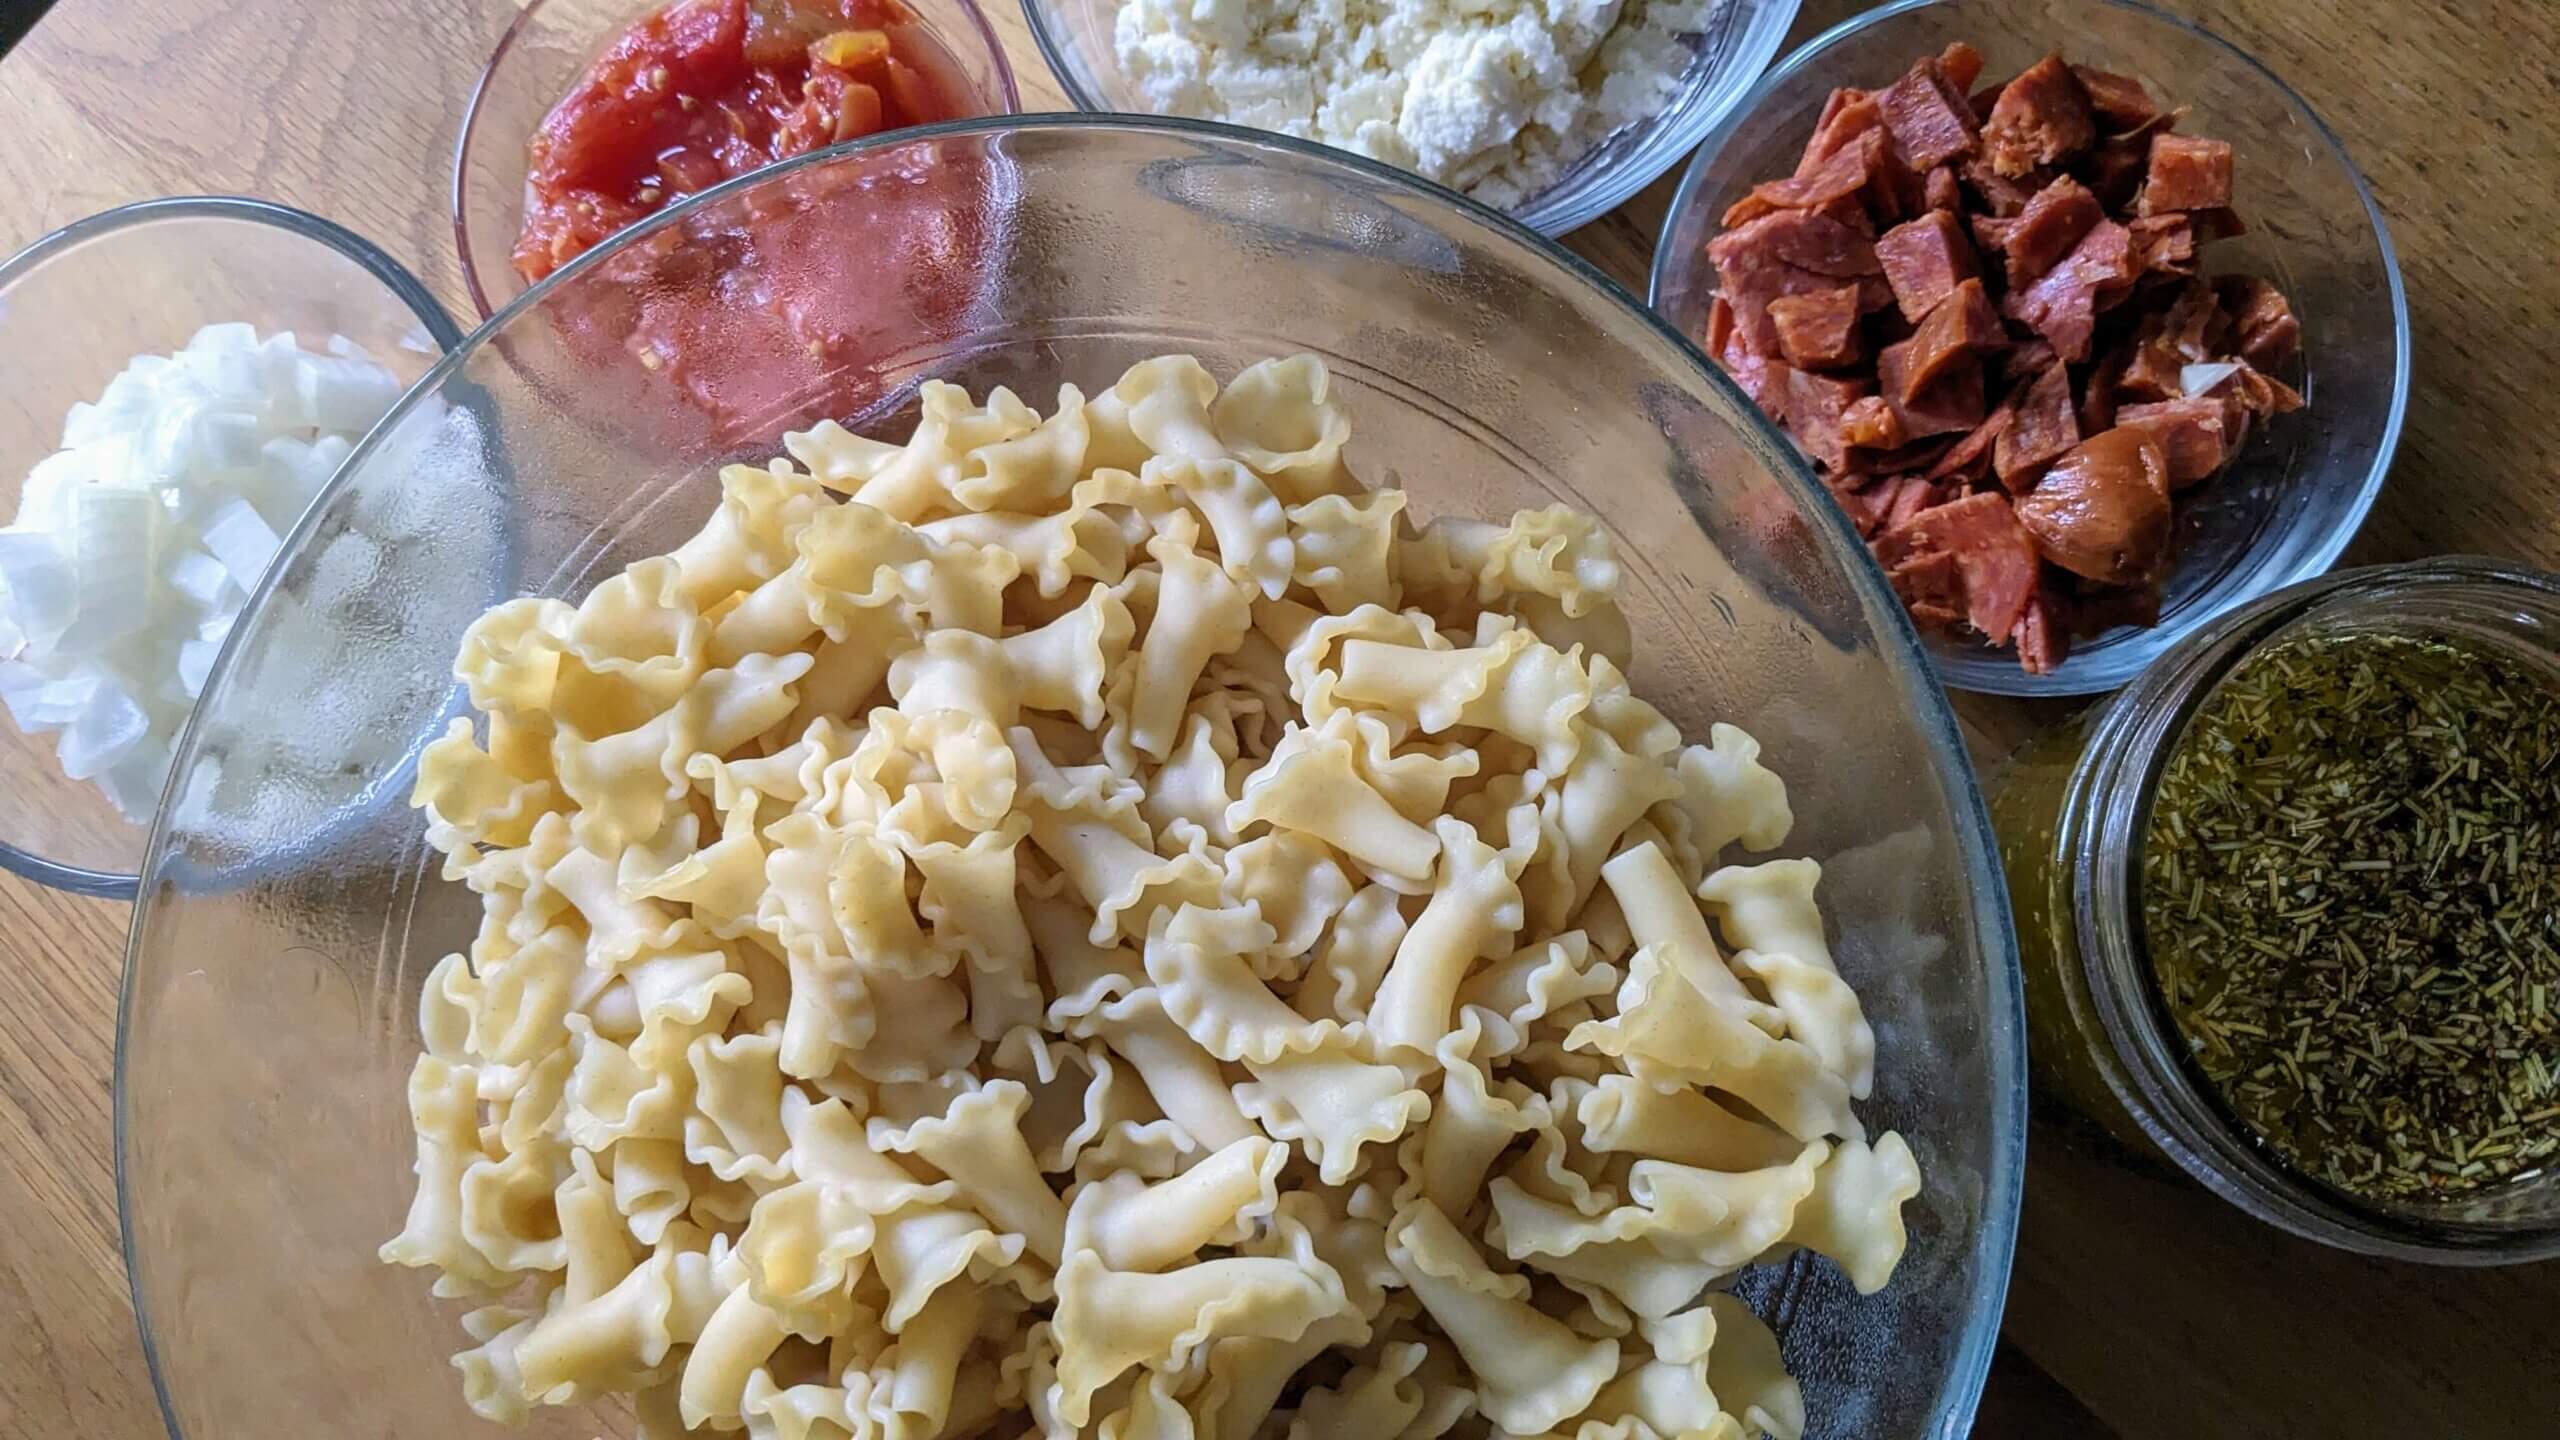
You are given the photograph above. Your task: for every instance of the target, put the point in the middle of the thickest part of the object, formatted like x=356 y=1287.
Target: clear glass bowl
x=2293 y=500
x=545 y=50
x=74 y=308
x=269 y=1018
x=1075 y=38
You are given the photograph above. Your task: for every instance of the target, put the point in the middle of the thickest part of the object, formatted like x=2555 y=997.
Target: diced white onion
x=2197 y=379
x=135 y=546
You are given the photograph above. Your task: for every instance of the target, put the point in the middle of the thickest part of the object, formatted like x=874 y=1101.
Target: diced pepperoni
x=1870 y=424
x=1924 y=260
x=2046 y=230
x=1949 y=405
x=2027 y=358
x=2119 y=100
x=1991 y=232
x=1847 y=115
x=1791 y=252
x=2192 y=433
x=1939 y=190
x=1994 y=554
x=2187 y=173
x=1814 y=405
x=1761 y=377
x=1961 y=329
x=2164 y=245
x=2099 y=395
x=1911 y=495
x=2063 y=305
x=1930 y=121
x=2046 y=427
x=1932 y=579
x=1999 y=194
x=2041 y=119
x=1970 y=458
x=2189 y=332
x=2263 y=328
x=2041 y=644
x=2102 y=510
x=1961 y=64
x=1844 y=172
x=1817 y=330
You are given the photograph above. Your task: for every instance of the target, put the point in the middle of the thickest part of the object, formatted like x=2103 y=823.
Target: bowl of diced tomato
x=593 y=114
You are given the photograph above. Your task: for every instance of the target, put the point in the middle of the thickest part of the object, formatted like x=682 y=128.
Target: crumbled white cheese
x=1494 y=97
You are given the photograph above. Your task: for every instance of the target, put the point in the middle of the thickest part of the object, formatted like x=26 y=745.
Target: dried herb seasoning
x=2351 y=904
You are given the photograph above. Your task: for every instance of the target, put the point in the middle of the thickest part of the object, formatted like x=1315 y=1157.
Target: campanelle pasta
x=1097 y=924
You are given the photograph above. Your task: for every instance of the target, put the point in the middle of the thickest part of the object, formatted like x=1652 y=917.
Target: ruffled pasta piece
x=1163 y=406
x=1152 y=1412
x=1854 y=1214
x=748 y=538
x=1512 y=685
x=1475 y=1119
x=1535 y=981
x=1183 y=1078
x=1030 y=471
x=1110 y=1320
x=1621 y=1113
x=1248 y=522
x=1746 y=1374
x=1310 y=784
x=1669 y=1033
x=1662 y=918
x=1056 y=550
x=735 y=1128
x=473 y=799
x=1308 y=640
x=1199 y=612
x=978 y=1143
x=1277 y=417
x=1201 y=963
x=1346 y=549
x=444 y=1114
x=1196 y=784
x=1728 y=795
x=923 y=1029
x=922 y=1243
x=1292 y=881
x=1606 y=791
x=1646 y=1278
x=509 y=659
x=1332 y=1099
x=1474 y=910
x=1135 y=1226
x=847 y=667
x=1245 y=1375
x=720 y=885
x=1668 y=1390
x=740 y=1336
x=1353 y=957
x=915 y=1382
x=913 y=480
x=1822 y=1012
x=633 y=647
x=1721 y=1218
x=1769 y=907
x=852 y=558
x=968 y=902
x=1601 y=632
x=1558 y=552
x=650 y=1189
x=1063 y=665
x=1099 y=841
x=1375 y=1401
x=1532 y=1370
x=1416 y=779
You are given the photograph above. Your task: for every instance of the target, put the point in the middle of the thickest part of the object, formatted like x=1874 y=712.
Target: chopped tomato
x=702 y=91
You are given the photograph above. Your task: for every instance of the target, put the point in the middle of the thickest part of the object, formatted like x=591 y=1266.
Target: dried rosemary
x=2351 y=901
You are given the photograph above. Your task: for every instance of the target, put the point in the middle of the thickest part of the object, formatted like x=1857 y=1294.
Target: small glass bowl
x=74 y=308
x=549 y=46
x=2071 y=810
x=1075 y=36
x=2293 y=500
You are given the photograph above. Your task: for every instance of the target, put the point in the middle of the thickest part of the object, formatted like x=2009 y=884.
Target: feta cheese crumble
x=1493 y=97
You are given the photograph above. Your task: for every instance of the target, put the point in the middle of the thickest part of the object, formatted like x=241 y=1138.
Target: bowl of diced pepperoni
x=2083 y=316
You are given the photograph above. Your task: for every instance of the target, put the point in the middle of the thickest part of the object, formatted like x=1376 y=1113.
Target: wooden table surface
x=2142 y=1306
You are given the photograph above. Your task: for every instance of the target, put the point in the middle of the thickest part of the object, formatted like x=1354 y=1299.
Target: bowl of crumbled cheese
x=1555 y=111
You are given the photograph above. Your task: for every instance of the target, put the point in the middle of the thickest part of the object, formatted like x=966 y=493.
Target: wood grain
x=2142 y=1306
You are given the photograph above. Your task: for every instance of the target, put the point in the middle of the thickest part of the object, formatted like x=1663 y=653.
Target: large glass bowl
x=269 y=1014
x=2294 y=498
x=1726 y=55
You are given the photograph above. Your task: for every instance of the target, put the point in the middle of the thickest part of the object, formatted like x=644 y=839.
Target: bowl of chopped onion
x=184 y=376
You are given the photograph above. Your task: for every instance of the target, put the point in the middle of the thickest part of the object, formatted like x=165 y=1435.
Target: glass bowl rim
x=1994 y=1241
x=302 y=224
x=458 y=206
x=1980 y=675
x=1716 y=99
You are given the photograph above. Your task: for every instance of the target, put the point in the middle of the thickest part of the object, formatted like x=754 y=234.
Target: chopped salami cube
x=1814 y=405
x=1924 y=260
x=2063 y=305
x=2047 y=426
x=1929 y=118
x=2187 y=173
x=1939 y=190
x=1871 y=424
x=2045 y=231
x=2041 y=119
x=2119 y=100
x=1817 y=330
x=2193 y=433
x=1993 y=552
x=2263 y=327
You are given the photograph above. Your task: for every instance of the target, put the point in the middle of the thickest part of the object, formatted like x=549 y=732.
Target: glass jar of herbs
x=2290 y=909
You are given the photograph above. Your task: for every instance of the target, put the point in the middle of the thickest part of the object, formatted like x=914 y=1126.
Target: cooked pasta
x=1097 y=924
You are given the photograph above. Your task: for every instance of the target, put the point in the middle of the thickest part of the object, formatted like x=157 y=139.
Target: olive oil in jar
x=2350 y=902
